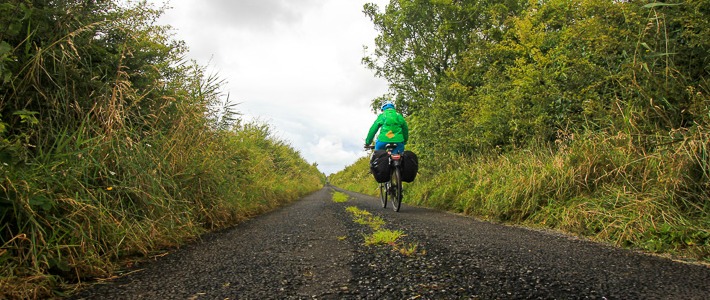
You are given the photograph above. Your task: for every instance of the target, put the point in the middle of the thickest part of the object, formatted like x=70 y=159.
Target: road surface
x=312 y=249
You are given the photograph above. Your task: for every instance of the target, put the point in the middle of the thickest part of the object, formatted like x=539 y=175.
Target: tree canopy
x=485 y=75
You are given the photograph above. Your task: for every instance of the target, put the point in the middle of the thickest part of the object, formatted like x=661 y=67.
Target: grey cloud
x=260 y=15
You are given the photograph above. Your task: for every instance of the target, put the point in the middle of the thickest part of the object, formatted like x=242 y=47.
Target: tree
x=420 y=40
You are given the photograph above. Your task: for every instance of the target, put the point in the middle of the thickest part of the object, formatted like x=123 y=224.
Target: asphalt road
x=312 y=249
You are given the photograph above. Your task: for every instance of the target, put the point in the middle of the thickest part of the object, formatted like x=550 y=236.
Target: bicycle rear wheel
x=396 y=189
x=383 y=195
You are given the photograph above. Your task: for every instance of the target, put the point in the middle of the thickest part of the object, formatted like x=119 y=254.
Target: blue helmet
x=387 y=105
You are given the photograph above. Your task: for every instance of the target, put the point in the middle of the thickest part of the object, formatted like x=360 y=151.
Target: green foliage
x=521 y=72
x=589 y=116
x=339 y=197
x=422 y=40
x=364 y=217
x=112 y=145
x=356 y=177
x=595 y=185
x=383 y=237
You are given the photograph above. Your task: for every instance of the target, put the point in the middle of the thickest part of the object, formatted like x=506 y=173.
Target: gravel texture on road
x=312 y=249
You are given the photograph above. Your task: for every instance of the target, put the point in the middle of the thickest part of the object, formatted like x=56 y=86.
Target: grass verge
x=598 y=186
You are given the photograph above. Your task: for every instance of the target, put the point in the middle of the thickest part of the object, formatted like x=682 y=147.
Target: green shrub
x=111 y=145
x=597 y=185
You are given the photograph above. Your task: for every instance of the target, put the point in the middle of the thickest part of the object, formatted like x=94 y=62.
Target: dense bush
x=112 y=145
x=533 y=69
x=591 y=115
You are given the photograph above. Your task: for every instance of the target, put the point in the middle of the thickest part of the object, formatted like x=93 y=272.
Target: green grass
x=366 y=218
x=356 y=178
x=83 y=223
x=107 y=156
x=383 y=237
x=339 y=197
x=597 y=186
x=380 y=235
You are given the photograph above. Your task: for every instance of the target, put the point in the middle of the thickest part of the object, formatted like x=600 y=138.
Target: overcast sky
x=295 y=65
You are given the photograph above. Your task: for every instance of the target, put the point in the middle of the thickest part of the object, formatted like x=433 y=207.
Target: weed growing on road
x=364 y=217
x=379 y=235
x=383 y=237
x=339 y=197
x=409 y=249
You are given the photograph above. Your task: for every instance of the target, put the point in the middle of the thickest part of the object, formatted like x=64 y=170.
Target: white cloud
x=330 y=150
x=293 y=64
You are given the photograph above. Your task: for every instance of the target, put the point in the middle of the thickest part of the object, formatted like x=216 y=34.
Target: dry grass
x=600 y=186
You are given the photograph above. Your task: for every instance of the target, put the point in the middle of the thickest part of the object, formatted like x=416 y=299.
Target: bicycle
x=392 y=189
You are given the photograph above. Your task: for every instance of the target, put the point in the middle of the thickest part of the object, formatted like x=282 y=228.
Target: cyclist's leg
x=380 y=145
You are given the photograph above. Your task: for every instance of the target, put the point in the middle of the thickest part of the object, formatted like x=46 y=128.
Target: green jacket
x=393 y=128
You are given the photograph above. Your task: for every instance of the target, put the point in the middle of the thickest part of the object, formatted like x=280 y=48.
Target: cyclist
x=393 y=129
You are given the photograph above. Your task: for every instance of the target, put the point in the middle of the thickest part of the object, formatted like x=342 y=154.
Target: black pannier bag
x=409 y=166
x=379 y=166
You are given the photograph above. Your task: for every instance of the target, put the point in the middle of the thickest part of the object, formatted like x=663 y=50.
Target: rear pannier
x=379 y=166
x=410 y=166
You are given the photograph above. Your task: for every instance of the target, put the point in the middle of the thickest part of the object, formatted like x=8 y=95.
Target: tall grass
x=624 y=86
x=112 y=146
x=356 y=177
x=88 y=200
x=599 y=186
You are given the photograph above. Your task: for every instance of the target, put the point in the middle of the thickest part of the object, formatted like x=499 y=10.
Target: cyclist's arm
x=373 y=130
